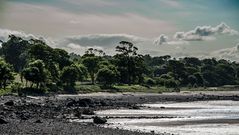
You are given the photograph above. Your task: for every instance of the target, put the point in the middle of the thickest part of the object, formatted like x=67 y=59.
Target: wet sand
x=52 y=114
x=217 y=117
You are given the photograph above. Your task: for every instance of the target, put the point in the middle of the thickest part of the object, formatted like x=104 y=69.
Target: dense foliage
x=42 y=67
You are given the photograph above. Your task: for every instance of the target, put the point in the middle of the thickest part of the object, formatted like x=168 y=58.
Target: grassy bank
x=89 y=88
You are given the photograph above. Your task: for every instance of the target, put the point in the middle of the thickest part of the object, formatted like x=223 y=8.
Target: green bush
x=150 y=81
x=15 y=87
x=32 y=91
x=171 y=83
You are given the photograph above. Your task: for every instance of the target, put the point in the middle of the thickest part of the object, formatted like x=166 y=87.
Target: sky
x=200 y=28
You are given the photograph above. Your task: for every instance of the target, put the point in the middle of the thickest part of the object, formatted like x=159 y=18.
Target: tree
x=54 y=59
x=6 y=74
x=82 y=72
x=69 y=75
x=108 y=75
x=36 y=73
x=130 y=64
x=15 y=52
x=92 y=65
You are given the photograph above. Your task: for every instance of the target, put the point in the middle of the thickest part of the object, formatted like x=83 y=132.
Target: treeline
x=42 y=68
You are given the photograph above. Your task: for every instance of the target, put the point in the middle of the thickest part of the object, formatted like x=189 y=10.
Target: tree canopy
x=44 y=67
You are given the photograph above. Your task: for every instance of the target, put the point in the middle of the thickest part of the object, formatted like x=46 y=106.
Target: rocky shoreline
x=52 y=114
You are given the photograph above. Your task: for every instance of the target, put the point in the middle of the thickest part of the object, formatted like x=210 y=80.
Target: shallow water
x=197 y=118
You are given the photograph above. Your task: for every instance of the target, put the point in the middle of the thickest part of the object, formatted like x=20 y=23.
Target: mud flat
x=59 y=114
x=186 y=118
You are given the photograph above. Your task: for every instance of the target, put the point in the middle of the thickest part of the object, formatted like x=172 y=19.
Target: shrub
x=171 y=83
x=150 y=81
x=32 y=91
x=107 y=76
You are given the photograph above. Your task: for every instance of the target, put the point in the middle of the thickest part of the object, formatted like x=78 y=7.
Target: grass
x=5 y=92
x=210 y=89
x=139 y=88
x=89 y=88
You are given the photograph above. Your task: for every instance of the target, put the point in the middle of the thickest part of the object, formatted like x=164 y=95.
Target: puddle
x=197 y=118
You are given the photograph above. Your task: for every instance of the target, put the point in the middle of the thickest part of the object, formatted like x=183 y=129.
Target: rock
x=86 y=103
x=81 y=103
x=2 y=121
x=88 y=112
x=38 y=121
x=71 y=103
x=135 y=107
x=99 y=120
x=77 y=114
x=9 y=103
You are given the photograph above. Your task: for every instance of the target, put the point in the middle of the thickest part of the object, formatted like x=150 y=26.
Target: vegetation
x=43 y=68
x=6 y=74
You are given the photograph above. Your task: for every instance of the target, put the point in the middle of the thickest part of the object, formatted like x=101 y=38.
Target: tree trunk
x=37 y=85
x=92 y=76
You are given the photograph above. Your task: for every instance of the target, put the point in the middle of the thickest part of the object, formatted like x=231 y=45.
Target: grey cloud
x=103 y=41
x=201 y=33
x=4 y=34
x=227 y=53
x=161 y=40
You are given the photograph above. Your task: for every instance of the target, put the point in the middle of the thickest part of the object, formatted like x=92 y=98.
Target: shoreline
x=50 y=115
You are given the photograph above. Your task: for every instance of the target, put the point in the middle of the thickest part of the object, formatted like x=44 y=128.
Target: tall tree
x=92 y=65
x=69 y=75
x=36 y=73
x=15 y=52
x=6 y=74
x=130 y=64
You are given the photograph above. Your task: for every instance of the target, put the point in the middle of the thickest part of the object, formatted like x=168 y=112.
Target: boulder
x=81 y=103
x=88 y=112
x=9 y=103
x=99 y=120
x=38 y=121
x=2 y=121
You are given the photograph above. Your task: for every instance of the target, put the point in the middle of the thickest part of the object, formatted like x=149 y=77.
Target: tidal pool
x=187 y=118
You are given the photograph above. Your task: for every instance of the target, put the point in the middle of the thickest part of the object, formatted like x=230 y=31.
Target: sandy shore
x=51 y=115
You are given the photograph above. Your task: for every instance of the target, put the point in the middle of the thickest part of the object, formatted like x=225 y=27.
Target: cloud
x=101 y=41
x=227 y=53
x=62 y=22
x=104 y=40
x=201 y=33
x=4 y=34
x=161 y=40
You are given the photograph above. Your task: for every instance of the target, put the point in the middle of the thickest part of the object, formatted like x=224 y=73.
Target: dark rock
x=78 y=114
x=9 y=103
x=38 y=121
x=86 y=103
x=81 y=103
x=99 y=120
x=2 y=121
x=71 y=103
x=88 y=112
x=135 y=107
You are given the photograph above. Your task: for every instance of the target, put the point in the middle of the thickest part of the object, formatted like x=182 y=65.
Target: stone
x=2 y=121
x=9 y=103
x=99 y=120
